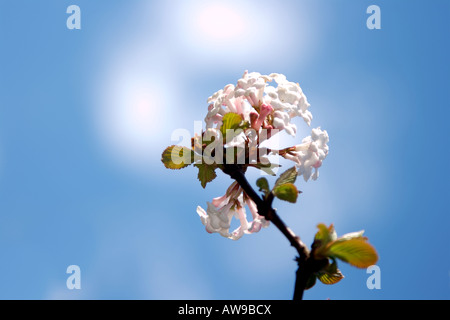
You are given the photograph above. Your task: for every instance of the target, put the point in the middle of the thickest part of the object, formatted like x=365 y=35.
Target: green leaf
x=177 y=157
x=331 y=274
x=230 y=121
x=289 y=176
x=310 y=282
x=286 y=192
x=357 y=252
x=324 y=235
x=330 y=278
x=206 y=173
x=263 y=185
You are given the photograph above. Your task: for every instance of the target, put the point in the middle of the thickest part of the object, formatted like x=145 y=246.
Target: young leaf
x=206 y=173
x=177 y=157
x=230 y=121
x=331 y=274
x=289 y=176
x=357 y=252
x=286 y=192
x=263 y=185
x=323 y=236
x=330 y=278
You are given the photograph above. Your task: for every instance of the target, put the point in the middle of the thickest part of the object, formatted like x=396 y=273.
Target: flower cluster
x=240 y=119
x=262 y=105
x=218 y=215
x=310 y=154
x=268 y=109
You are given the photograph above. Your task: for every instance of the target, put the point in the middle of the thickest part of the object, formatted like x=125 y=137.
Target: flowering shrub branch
x=239 y=121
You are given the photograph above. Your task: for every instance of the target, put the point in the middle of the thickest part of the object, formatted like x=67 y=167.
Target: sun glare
x=219 y=22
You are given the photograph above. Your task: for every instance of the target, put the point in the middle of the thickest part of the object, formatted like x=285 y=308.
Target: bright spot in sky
x=247 y=32
x=145 y=79
x=131 y=112
x=219 y=22
x=135 y=110
x=219 y=28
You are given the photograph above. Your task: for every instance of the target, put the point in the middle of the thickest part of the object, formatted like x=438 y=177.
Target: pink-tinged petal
x=292 y=158
x=224 y=233
x=209 y=229
x=250 y=100
x=265 y=110
x=253 y=118
x=231 y=106
x=219 y=201
x=254 y=227
x=254 y=98
x=236 y=234
x=253 y=209
x=317 y=165
x=242 y=218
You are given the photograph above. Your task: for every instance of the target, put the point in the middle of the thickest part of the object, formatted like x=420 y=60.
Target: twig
x=306 y=265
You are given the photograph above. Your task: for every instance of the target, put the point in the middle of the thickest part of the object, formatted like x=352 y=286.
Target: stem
x=306 y=266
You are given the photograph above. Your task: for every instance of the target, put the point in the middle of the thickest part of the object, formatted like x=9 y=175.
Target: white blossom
x=310 y=154
x=288 y=97
x=219 y=213
x=264 y=102
x=282 y=121
x=286 y=101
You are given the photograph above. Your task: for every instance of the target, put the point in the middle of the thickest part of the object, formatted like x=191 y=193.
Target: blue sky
x=85 y=115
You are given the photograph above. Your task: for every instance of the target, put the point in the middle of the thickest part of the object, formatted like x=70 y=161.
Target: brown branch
x=306 y=265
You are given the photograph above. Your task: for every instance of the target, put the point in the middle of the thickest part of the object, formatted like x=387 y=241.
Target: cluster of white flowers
x=218 y=215
x=268 y=107
x=272 y=107
x=310 y=154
